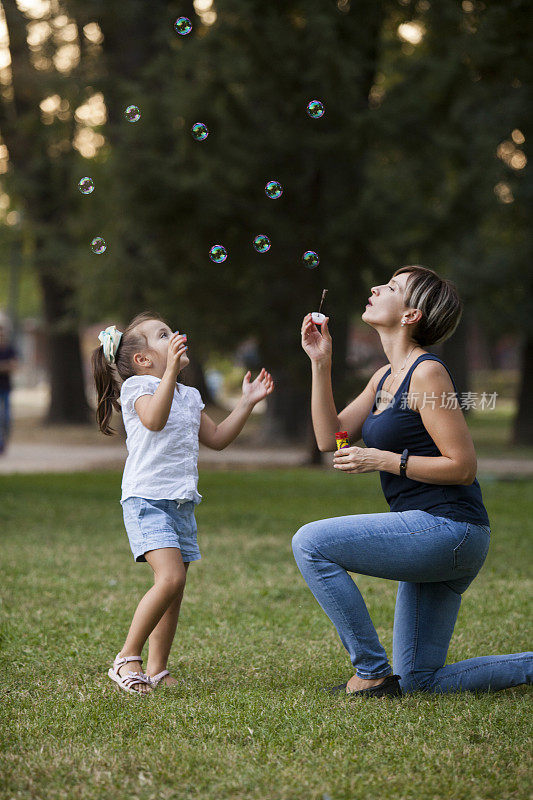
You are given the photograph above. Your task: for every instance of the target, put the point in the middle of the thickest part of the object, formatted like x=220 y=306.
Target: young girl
x=164 y=420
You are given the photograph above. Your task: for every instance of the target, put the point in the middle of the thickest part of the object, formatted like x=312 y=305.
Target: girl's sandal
x=155 y=679
x=126 y=682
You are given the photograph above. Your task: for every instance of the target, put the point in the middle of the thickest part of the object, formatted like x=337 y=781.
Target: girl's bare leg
x=169 y=581
x=161 y=638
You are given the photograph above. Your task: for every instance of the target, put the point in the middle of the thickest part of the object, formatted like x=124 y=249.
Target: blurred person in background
x=8 y=362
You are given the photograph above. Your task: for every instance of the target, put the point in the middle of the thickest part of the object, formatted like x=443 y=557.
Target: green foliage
x=401 y=168
x=444 y=107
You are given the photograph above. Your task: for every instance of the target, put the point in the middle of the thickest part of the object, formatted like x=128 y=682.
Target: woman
x=436 y=536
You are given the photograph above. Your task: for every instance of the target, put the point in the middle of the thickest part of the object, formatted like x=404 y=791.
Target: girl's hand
x=176 y=349
x=258 y=390
x=357 y=459
x=318 y=346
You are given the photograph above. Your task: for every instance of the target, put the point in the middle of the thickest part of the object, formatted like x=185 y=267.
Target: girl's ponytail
x=107 y=390
x=120 y=350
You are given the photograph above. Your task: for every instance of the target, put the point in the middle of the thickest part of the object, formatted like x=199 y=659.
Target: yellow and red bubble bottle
x=341 y=437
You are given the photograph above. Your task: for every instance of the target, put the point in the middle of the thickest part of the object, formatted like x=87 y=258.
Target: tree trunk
x=523 y=422
x=68 y=402
x=287 y=415
x=193 y=375
x=35 y=174
x=314 y=455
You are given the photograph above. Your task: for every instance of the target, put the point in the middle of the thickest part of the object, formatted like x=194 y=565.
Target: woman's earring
x=403 y=323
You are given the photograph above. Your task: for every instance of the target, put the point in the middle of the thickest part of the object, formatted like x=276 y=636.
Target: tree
x=249 y=78
x=40 y=140
x=448 y=183
x=400 y=169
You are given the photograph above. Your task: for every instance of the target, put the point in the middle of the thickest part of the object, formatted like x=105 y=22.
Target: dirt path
x=27 y=457
x=65 y=456
x=80 y=448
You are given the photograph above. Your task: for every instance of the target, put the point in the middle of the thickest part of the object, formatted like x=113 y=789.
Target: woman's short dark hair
x=438 y=300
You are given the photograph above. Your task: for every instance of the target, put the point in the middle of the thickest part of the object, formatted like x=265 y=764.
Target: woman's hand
x=258 y=390
x=358 y=459
x=317 y=345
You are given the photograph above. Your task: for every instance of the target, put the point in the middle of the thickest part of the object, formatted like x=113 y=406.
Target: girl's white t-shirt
x=161 y=465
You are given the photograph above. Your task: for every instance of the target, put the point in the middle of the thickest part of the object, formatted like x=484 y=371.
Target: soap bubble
x=86 y=185
x=315 y=109
x=218 y=254
x=183 y=26
x=98 y=245
x=262 y=243
x=310 y=259
x=132 y=114
x=199 y=131
x=273 y=190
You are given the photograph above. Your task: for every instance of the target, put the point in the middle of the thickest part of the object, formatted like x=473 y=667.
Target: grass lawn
x=251 y=651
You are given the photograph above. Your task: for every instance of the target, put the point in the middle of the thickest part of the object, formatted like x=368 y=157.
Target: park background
x=422 y=156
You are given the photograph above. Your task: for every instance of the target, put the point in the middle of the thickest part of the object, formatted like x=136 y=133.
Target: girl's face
x=155 y=361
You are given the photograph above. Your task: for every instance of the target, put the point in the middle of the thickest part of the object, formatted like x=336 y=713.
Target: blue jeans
x=5 y=417
x=434 y=559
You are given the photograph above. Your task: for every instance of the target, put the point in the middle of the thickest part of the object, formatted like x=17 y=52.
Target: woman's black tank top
x=398 y=427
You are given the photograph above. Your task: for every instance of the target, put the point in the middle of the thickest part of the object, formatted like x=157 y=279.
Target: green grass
x=251 y=651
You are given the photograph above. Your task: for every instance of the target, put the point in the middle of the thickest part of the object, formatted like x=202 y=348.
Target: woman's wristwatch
x=403 y=462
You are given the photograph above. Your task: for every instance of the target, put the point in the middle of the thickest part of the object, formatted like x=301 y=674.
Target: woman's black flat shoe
x=332 y=689
x=390 y=686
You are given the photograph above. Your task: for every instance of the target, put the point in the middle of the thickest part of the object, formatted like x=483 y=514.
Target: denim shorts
x=152 y=524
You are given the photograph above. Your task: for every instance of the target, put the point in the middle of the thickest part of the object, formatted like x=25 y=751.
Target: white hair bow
x=110 y=339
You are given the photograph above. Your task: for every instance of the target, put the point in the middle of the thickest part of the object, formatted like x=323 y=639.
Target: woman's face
x=158 y=335
x=386 y=304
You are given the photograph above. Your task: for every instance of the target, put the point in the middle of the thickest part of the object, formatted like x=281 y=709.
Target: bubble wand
x=316 y=316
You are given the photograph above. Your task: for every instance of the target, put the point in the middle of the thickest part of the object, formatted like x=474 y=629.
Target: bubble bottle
x=341 y=437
